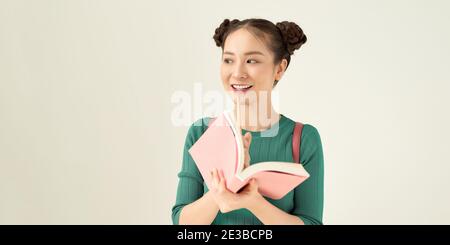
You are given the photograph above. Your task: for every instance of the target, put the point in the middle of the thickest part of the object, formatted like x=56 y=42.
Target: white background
x=86 y=135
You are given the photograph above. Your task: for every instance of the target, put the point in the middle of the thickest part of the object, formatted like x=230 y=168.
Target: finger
x=223 y=178
x=215 y=178
x=246 y=157
x=223 y=181
x=247 y=139
x=247 y=160
x=247 y=187
x=254 y=184
x=216 y=173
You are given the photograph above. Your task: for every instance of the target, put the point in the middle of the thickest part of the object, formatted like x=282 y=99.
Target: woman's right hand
x=228 y=201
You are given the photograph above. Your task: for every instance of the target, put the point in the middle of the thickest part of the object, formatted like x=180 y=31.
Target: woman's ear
x=280 y=68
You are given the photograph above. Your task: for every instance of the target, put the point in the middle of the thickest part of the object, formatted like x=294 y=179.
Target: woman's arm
x=201 y=212
x=309 y=196
x=269 y=214
x=192 y=206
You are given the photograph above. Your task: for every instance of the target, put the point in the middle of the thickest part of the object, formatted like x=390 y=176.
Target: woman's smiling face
x=248 y=70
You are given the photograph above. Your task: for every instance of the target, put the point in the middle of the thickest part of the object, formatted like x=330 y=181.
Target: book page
x=282 y=167
x=239 y=143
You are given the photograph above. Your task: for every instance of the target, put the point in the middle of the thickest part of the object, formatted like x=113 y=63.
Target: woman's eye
x=229 y=61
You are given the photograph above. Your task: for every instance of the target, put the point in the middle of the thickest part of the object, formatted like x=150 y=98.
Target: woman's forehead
x=243 y=42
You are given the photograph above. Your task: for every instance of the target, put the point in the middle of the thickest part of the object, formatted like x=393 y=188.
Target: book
x=221 y=147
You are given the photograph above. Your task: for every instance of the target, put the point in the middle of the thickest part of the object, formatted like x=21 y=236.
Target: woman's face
x=248 y=70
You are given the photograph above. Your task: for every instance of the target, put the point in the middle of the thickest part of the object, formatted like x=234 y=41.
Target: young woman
x=255 y=55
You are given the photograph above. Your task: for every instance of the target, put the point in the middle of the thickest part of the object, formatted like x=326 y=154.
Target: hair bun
x=222 y=29
x=292 y=34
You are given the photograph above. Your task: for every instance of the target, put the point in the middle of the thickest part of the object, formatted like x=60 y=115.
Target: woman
x=255 y=55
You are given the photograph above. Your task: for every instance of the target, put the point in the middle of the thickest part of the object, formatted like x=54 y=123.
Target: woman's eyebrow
x=247 y=53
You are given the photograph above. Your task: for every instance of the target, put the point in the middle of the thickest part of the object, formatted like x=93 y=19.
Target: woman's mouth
x=241 y=87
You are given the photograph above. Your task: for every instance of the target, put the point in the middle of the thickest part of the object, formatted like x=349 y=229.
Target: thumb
x=247 y=139
x=253 y=184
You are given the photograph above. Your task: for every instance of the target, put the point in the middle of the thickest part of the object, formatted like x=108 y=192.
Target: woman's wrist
x=255 y=202
x=208 y=195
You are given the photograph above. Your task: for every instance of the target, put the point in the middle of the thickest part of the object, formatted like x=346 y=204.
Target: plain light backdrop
x=86 y=135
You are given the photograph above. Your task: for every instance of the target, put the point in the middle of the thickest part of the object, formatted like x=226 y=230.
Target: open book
x=221 y=146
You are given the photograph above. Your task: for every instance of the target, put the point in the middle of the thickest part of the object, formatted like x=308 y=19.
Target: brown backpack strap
x=296 y=138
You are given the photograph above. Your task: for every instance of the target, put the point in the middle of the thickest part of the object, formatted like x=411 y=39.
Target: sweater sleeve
x=308 y=197
x=190 y=181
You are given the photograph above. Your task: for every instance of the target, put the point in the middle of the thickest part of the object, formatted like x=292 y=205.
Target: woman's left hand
x=247 y=140
x=228 y=201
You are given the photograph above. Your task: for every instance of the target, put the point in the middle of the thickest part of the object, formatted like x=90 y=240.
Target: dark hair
x=282 y=38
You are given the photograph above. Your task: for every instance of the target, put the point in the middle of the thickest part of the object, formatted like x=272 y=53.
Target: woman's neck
x=252 y=118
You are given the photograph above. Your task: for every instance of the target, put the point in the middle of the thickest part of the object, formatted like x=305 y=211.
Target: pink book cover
x=217 y=148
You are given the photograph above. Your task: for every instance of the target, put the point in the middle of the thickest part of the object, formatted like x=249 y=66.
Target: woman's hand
x=247 y=140
x=228 y=201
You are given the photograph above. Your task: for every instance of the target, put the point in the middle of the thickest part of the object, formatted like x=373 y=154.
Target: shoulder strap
x=296 y=138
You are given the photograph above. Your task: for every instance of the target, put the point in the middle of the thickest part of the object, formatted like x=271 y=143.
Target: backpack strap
x=296 y=138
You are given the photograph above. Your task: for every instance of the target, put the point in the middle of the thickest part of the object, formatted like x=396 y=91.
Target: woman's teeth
x=241 y=87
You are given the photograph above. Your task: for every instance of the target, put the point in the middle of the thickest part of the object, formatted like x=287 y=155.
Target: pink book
x=221 y=147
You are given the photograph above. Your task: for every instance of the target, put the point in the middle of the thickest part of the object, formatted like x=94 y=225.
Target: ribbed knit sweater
x=305 y=201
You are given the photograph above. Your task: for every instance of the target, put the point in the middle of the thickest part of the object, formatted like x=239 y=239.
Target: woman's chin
x=243 y=100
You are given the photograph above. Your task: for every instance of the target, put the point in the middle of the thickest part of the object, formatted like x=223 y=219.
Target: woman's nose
x=240 y=72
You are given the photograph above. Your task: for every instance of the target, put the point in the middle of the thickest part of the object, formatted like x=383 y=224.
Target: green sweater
x=305 y=201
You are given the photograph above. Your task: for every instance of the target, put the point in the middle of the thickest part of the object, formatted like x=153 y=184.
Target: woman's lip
x=236 y=84
x=241 y=90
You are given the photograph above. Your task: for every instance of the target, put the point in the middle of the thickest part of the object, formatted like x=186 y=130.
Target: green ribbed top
x=305 y=201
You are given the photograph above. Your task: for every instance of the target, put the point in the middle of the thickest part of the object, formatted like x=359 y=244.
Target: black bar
x=228 y=234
